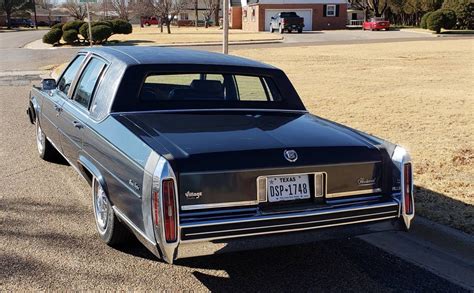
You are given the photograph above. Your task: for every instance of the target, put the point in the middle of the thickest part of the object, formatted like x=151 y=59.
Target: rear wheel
x=46 y=150
x=300 y=31
x=271 y=29
x=280 y=29
x=290 y=30
x=111 y=230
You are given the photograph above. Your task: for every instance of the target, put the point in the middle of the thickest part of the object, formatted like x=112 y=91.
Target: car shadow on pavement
x=135 y=248
x=340 y=265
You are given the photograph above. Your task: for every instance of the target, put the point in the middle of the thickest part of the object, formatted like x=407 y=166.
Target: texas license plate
x=288 y=187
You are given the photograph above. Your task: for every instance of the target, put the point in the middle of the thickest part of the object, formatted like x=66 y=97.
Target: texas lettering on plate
x=292 y=187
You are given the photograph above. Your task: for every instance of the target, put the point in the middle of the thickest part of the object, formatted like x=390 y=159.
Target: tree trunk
x=216 y=13
x=168 y=26
x=196 y=13
x=9 y=19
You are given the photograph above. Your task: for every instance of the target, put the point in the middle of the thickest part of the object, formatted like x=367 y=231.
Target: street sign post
x=89 y=18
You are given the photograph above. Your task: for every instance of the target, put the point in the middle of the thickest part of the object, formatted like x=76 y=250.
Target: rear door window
x=68 y=77
x=88 y=82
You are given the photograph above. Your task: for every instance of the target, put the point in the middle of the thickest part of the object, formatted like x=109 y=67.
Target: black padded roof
x=131 y=55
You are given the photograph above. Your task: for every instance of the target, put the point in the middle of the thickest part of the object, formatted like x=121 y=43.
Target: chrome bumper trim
x=289 y=230
x=218 y=205
x=294 y=224
x=355 y=192
x=193 y=249
x=286 y=216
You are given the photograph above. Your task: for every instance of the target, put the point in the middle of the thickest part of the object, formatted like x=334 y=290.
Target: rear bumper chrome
x=209 y=247
x=242 y=233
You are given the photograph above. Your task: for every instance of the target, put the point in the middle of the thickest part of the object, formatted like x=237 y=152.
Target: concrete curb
x=444 y=251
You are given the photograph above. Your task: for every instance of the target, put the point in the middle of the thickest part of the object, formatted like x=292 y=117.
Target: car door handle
x=57 y=108
x=77 y=124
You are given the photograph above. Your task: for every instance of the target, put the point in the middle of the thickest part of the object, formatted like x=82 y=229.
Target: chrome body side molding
x=355 y=192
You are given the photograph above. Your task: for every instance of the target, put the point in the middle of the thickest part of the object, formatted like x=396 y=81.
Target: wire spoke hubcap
x=102 y=207
x=40 y=138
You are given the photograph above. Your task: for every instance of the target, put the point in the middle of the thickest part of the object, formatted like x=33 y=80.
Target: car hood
x=223 y=140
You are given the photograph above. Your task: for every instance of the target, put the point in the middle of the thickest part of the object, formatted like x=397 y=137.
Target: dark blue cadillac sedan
x=198 y=153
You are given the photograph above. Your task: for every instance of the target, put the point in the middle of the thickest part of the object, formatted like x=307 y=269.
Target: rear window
x=163 y=88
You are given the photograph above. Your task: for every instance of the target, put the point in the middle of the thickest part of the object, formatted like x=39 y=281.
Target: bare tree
x=11 y=6
x=210 y=8
x=167 y=10
x=47 y=5
x=216 y=13
x=75 y=9
x=122 y=8
x=378 y=6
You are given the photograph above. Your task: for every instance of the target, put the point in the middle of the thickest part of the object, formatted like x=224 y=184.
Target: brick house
x=317 y=14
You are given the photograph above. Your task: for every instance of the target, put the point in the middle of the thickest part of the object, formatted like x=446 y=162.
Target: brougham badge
x=365 y=182
x=290 y=155
x=193 y=195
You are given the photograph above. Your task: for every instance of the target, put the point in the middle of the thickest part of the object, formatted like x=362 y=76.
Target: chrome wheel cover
x=40 y=138
x=101 y=208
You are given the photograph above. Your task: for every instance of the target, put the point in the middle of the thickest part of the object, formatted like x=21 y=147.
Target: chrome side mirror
x=48 y=84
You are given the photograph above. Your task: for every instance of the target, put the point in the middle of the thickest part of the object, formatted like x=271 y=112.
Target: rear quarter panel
x=120 y=157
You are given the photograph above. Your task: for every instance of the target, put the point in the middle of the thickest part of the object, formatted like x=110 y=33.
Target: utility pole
x=89 y=18
x=225 y=27
x=89 y=24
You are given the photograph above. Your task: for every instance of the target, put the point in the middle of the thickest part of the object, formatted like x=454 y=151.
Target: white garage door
x=307 y=14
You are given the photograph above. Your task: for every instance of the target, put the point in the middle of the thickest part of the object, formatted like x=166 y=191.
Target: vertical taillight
x=407 y=178
x=169 y=210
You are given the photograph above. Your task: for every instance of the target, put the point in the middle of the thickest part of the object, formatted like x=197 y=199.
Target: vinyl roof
x=131 y=55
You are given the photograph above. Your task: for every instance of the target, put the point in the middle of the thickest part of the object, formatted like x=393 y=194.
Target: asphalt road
x=48 y=238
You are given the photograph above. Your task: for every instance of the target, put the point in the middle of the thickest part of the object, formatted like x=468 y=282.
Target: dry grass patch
x=417 y=94
x=181 y=35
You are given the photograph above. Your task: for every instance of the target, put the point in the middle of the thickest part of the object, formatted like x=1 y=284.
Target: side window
x=251 y=88
x=88 y=82
x=65 y=82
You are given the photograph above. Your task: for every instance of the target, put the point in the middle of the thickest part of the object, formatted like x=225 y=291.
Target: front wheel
x=110 y=229
x=271 y=29
x=300 y=31
x=281 y=29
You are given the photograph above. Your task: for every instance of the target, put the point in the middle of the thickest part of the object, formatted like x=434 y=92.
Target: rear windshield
x=160 y=88
x=172 y=87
